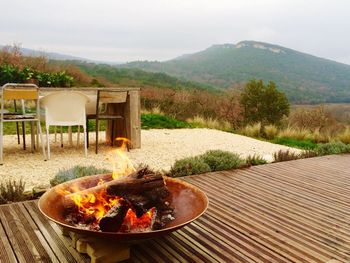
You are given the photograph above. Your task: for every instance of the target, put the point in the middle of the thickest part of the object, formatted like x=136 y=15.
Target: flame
x=121 y=163
x=95 y=205
x=91 y=207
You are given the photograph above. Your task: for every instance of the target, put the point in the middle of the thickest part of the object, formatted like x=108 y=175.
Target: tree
x=265 y=104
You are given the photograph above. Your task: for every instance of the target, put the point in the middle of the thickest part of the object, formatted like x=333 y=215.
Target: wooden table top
x=297 y=211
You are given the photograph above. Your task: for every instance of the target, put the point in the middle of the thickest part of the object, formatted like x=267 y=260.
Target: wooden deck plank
x=7 y=254
x=296 y=211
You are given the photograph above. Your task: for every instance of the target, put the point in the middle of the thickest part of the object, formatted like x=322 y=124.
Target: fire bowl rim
x=131 y=236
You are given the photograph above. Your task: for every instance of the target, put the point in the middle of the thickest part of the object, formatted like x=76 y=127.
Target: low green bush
x=332 y=148
x=255 y=159
x=77 y=171
x=221 y=160
x=158 y=121
x=189 y=166
x=12 y=191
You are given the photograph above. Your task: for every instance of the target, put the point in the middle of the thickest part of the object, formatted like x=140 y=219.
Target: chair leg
x=78 y=135
x=39 y=131
x=18 y=137
x=32 y=137
x=85 y=140
x=37 y=136
x=96 y=129
x=61 y=136
x=55 y=129
x=70 y=135
x=24 y=134
x=1 y=142
x=48 y=142
x=87 y=132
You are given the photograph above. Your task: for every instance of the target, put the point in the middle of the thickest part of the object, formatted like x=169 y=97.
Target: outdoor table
x=132 y=112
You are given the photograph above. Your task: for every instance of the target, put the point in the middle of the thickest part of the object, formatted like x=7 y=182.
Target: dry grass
x=344 y=136
x=252 y=130
x=320 y=137
x=154 y=110
x=295 y=133
x=210 y=123
x=270 y=131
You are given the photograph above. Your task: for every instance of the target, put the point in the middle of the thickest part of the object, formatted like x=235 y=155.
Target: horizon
x=153 y=60
x=162 y=30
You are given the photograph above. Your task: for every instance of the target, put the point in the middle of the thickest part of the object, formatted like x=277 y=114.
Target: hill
x=303 y=77
x=136 y=77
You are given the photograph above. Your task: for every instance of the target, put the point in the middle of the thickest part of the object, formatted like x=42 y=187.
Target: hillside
x=304 y=78
x=137 y=77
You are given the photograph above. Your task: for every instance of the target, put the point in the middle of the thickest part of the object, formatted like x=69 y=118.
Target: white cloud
x=161 y=29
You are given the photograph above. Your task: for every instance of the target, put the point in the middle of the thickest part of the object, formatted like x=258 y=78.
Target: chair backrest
x=12 y=91
x=104 y=96
x=65 y=108
x=17 y=91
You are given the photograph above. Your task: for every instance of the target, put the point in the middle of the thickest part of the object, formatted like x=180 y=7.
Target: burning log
x=141 y=203
x=112 y=221
x=120 y=187
x=135 y=186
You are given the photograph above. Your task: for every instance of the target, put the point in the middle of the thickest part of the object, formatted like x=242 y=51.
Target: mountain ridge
x=303 y=77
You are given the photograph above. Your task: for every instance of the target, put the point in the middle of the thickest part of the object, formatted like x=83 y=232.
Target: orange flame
x=92 y=207
x=121 y=163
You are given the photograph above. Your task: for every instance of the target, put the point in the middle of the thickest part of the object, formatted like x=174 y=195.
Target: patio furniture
x=65 y=108
x=103 y=98
x=132 y=112
x=24 y=92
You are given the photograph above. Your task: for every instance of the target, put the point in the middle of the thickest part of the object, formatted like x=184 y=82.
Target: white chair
x=65 y=108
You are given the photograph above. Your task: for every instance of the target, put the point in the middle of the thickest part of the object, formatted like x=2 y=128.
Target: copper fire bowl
x=189 y=203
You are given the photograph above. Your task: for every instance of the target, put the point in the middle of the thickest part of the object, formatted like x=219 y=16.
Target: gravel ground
x=160 y=148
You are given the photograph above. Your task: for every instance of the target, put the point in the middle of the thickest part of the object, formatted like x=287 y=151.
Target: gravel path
x=160 y=148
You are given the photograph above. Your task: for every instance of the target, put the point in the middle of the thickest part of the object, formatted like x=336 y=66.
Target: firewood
x=113 y=219
x=119 y=187
x=136 y=186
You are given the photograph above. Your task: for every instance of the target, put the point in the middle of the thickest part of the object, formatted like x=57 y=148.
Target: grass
x=210 y=123
x=253 y=130
x=158 y=121
x=301 y=144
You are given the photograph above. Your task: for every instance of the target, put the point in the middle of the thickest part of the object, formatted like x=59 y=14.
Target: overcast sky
x=114 y=30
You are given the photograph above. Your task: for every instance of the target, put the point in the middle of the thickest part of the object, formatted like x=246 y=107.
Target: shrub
x=221 y=160
x=332 y=148
x=270 y=131
x=285 y=155
x=253 y=130
x=189 y=166
x=255 y=159
x=12 y=191
x=157 y=121
x=263 y=103
x=313 y=118
x=344 y=136
x=75 y=172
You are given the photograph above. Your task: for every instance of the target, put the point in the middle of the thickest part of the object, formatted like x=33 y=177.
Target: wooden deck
x=296 y=211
